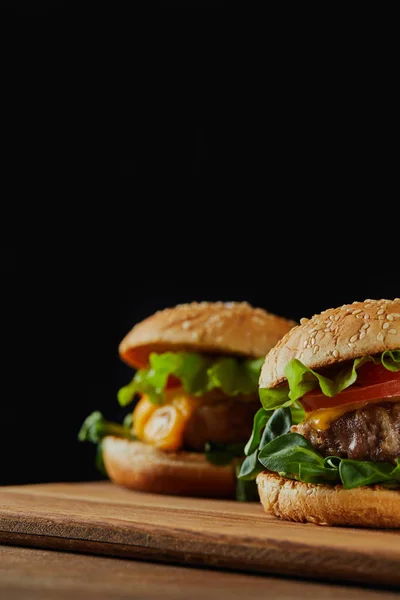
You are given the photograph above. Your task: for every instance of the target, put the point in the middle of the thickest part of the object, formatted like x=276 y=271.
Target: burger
x=191 y=401
x=340 y=463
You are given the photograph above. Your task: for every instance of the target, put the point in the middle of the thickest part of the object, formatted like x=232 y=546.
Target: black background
x=212 y=171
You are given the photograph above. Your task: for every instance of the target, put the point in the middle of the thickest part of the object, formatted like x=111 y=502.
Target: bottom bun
x=372 y=506
x=139 y=466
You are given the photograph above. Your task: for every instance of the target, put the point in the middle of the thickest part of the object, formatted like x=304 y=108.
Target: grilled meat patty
x=227 y=421
x=368 y=433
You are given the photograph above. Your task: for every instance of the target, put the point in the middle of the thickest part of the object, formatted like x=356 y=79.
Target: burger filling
x=368 y=433
x=185 y=422
x=349 y=432
x=188 y=401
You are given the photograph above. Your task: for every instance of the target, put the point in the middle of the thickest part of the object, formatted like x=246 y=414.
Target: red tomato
x=374 y=382
x=368 y=393
x=371 y=373
x=172 y=382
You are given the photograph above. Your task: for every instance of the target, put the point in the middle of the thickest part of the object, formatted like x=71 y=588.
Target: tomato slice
x=370 y=373
x=368 y=393
x=172 y=382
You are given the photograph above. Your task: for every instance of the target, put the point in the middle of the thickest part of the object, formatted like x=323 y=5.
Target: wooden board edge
x=366 y=579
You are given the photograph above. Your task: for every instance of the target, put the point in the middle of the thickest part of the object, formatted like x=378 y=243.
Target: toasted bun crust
x=217 y=327
x=336 y=335
x=140 y=466
x=371 y=506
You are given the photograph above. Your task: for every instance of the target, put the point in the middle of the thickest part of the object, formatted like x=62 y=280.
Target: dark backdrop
x=134 y=189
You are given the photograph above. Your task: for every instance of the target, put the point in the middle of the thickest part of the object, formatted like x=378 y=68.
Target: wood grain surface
x=102 y=518
x=31 y=574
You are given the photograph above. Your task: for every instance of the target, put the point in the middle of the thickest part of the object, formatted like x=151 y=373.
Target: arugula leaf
x=223 y=454
x=354 y=473
x=293 y=456
x=260 y=420
x=250 y=467
x=285 y=453
x=198 y=373
x=95 y=427
x=246 y=490
x=313 y=473
x=301 y=379
x=99 y=463
x=278 y=424
x=275 y=424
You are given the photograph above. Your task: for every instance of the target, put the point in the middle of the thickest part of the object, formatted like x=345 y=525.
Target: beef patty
x=368 y=433
x=226 y=421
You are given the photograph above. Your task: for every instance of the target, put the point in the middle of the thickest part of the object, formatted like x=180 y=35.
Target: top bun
x=335 y=335
x=233 y=328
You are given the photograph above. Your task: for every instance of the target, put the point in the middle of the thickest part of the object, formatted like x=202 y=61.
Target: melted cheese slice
x=163 y=426
x=321 y=418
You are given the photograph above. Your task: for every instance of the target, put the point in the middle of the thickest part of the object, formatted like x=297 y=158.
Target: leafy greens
x=198 y=373
x=272 y=446
x=301 y=380
x=292 y=456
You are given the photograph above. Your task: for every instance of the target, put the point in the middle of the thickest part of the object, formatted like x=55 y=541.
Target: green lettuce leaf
x=301 y=380
x=198 y=373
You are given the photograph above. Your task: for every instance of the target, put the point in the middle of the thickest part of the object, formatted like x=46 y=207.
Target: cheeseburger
x=194 y=395
x=340 y=465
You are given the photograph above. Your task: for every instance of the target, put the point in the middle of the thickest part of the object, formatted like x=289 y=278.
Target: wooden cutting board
x=101 y=518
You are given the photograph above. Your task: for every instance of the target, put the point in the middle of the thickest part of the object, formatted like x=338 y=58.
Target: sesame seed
x=381 y=317
x=365 y=326
x=315 y=349
x=350 y=344
x=355 y=312
x=354 y=338
x=186 y=325
x=386 y=326
x=380 y=337
x=303 y=320
x=380 y=311
x=362 y=334
x=335 y=353
x=392 y=331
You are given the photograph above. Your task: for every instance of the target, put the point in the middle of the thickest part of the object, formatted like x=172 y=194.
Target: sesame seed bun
x=367 y=506
x=335 y=335
x=139 y=466
x=233 y=328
